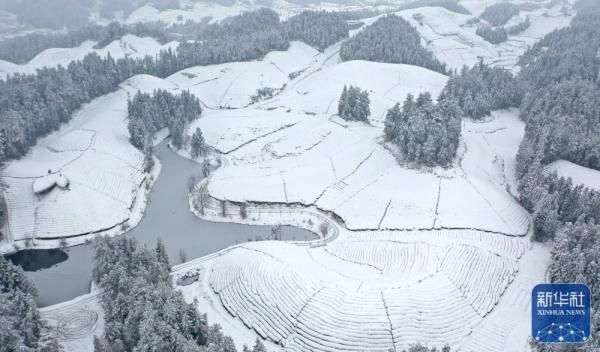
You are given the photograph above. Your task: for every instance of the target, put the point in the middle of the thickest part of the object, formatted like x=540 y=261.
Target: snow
x=195 y=12
x=231 y=85
x=93 y=156
x=129 y=45
x=361 y=292
x=453 y=42
x=318 y=91
x=580 y=175
x=46 y=183
x=419 y=255
x=75 y=323
x=410 y=255
x=352 y=174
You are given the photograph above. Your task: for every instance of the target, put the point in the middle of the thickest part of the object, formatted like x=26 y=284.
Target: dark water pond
x=62 y=275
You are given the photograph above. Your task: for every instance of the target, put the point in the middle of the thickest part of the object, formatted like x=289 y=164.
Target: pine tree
x=197 y=144
x=161 y=252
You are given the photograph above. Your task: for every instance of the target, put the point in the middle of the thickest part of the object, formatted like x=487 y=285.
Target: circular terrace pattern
x=368 y=295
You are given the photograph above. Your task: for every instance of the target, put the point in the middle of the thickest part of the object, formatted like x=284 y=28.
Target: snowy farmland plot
x=232 y=85
x=83 y=179
x=455 y=43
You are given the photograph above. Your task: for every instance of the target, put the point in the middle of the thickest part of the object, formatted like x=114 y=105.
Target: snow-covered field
x=373 y=291
x=75 y=323
x=580 y=175
x=130 y=45
x=352 y=174
x=105 y=191
x=231 y=85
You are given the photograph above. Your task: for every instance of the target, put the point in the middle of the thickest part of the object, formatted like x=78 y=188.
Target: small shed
x=47 y=183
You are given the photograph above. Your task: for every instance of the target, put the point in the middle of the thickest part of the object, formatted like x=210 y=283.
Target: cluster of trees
x=519 y=27
x=149 y=113
x=555 y=201
x=562 y=123
x=319 y=29
x=424 y=132
x=142 y=310
x=354 y=104
x=246 y=37
x=481 y=89
x=20 y=322
x=498 y=14
x=451 y=5
x=390 y=39
x=494 y=35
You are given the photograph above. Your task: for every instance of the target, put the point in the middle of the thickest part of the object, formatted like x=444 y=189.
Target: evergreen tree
x=197 y=145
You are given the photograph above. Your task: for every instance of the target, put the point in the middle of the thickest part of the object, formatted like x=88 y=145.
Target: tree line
x=390 y=39
x=560 y=107
x=316 y=28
